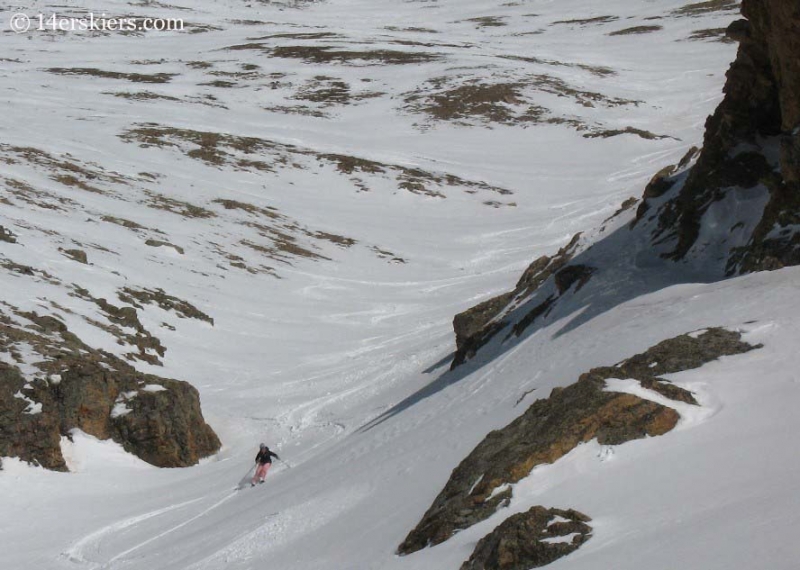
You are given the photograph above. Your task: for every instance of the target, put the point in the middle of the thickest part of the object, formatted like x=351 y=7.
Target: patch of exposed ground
x=78 y=255
x=22 y=270
x=219 y=83
x=250 y=153
x=598 y=70
x=701 y=8
x=411 y=29
x=282 y=246
x=179 y=207
x=162 y=243
x=27 y=194
x=238 y=262
x=131 y=225
x=713 y=34
x=278 y=237
x=63 y=169
x=496 y=103
x=636 y=30
x=330 y=54
x=269 y=212
x=329 y=91
x=124 y=324
x=304 y=110
x=388 y=255
x=467 y=100
x=589 y=21
x=94 y=72
x=209 y=147
x=143 y=96
x=488 y=21
x=299 y=36
x=552 y=427
x=608 y=133
x=184 y=309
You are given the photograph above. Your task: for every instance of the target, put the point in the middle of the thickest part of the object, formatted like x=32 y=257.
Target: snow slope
x=314 y=336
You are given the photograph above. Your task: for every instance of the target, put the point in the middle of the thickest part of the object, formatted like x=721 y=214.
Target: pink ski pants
x=261 y=472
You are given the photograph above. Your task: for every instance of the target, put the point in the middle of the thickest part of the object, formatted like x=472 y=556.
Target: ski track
x=79 y=551
x=305 y=358
x=189 y=521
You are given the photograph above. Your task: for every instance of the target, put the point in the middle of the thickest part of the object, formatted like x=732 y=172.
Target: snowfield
x=307 y=175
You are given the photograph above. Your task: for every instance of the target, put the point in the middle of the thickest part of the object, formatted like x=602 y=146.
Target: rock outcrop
x=75 y=386
x=7 y=236
x=554 y=426
x=731 y=208
x=751 y=147
x=529 y=540
x=476 y=326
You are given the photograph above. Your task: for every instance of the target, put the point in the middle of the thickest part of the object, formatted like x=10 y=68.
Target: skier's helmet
x=263 y=446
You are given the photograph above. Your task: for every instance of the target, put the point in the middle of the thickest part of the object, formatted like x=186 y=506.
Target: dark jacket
x=265 y=456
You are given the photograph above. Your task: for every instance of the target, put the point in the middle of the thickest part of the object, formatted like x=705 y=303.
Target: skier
x=263 y=463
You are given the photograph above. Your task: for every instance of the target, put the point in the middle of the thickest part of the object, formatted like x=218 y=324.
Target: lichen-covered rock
x=552 y=427
x=155 y=418
x=531 y=539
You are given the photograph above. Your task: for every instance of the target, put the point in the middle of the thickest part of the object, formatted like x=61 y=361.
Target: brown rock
x=478 y=325
x=761 y=108
x=76 y=254
x=99 y=394
x=520 y=542
x=7 y=236
x=552 y=427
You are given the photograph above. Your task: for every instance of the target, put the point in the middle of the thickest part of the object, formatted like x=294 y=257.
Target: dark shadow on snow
x=627 y=266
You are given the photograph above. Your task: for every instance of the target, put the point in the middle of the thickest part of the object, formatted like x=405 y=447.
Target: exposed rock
x=149 y=347
x=552 y=427
x=162 y=299
x=155 y=418
x=7 y=236
x=476 y=326
x=750 y=160
x=608 y=133
x=77 y=255
x=162 y=243
x=571 y=275
x=751 y=142
x=522 y=541
x=470 y=323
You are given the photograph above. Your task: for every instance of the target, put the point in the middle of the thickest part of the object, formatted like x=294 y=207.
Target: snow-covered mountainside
x=284 y=204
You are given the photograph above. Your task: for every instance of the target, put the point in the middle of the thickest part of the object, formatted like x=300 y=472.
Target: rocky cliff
x=751 y=148
x=69 y=385
x=731 y=208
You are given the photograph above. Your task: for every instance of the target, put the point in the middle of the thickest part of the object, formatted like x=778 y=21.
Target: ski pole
x=287 y=465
